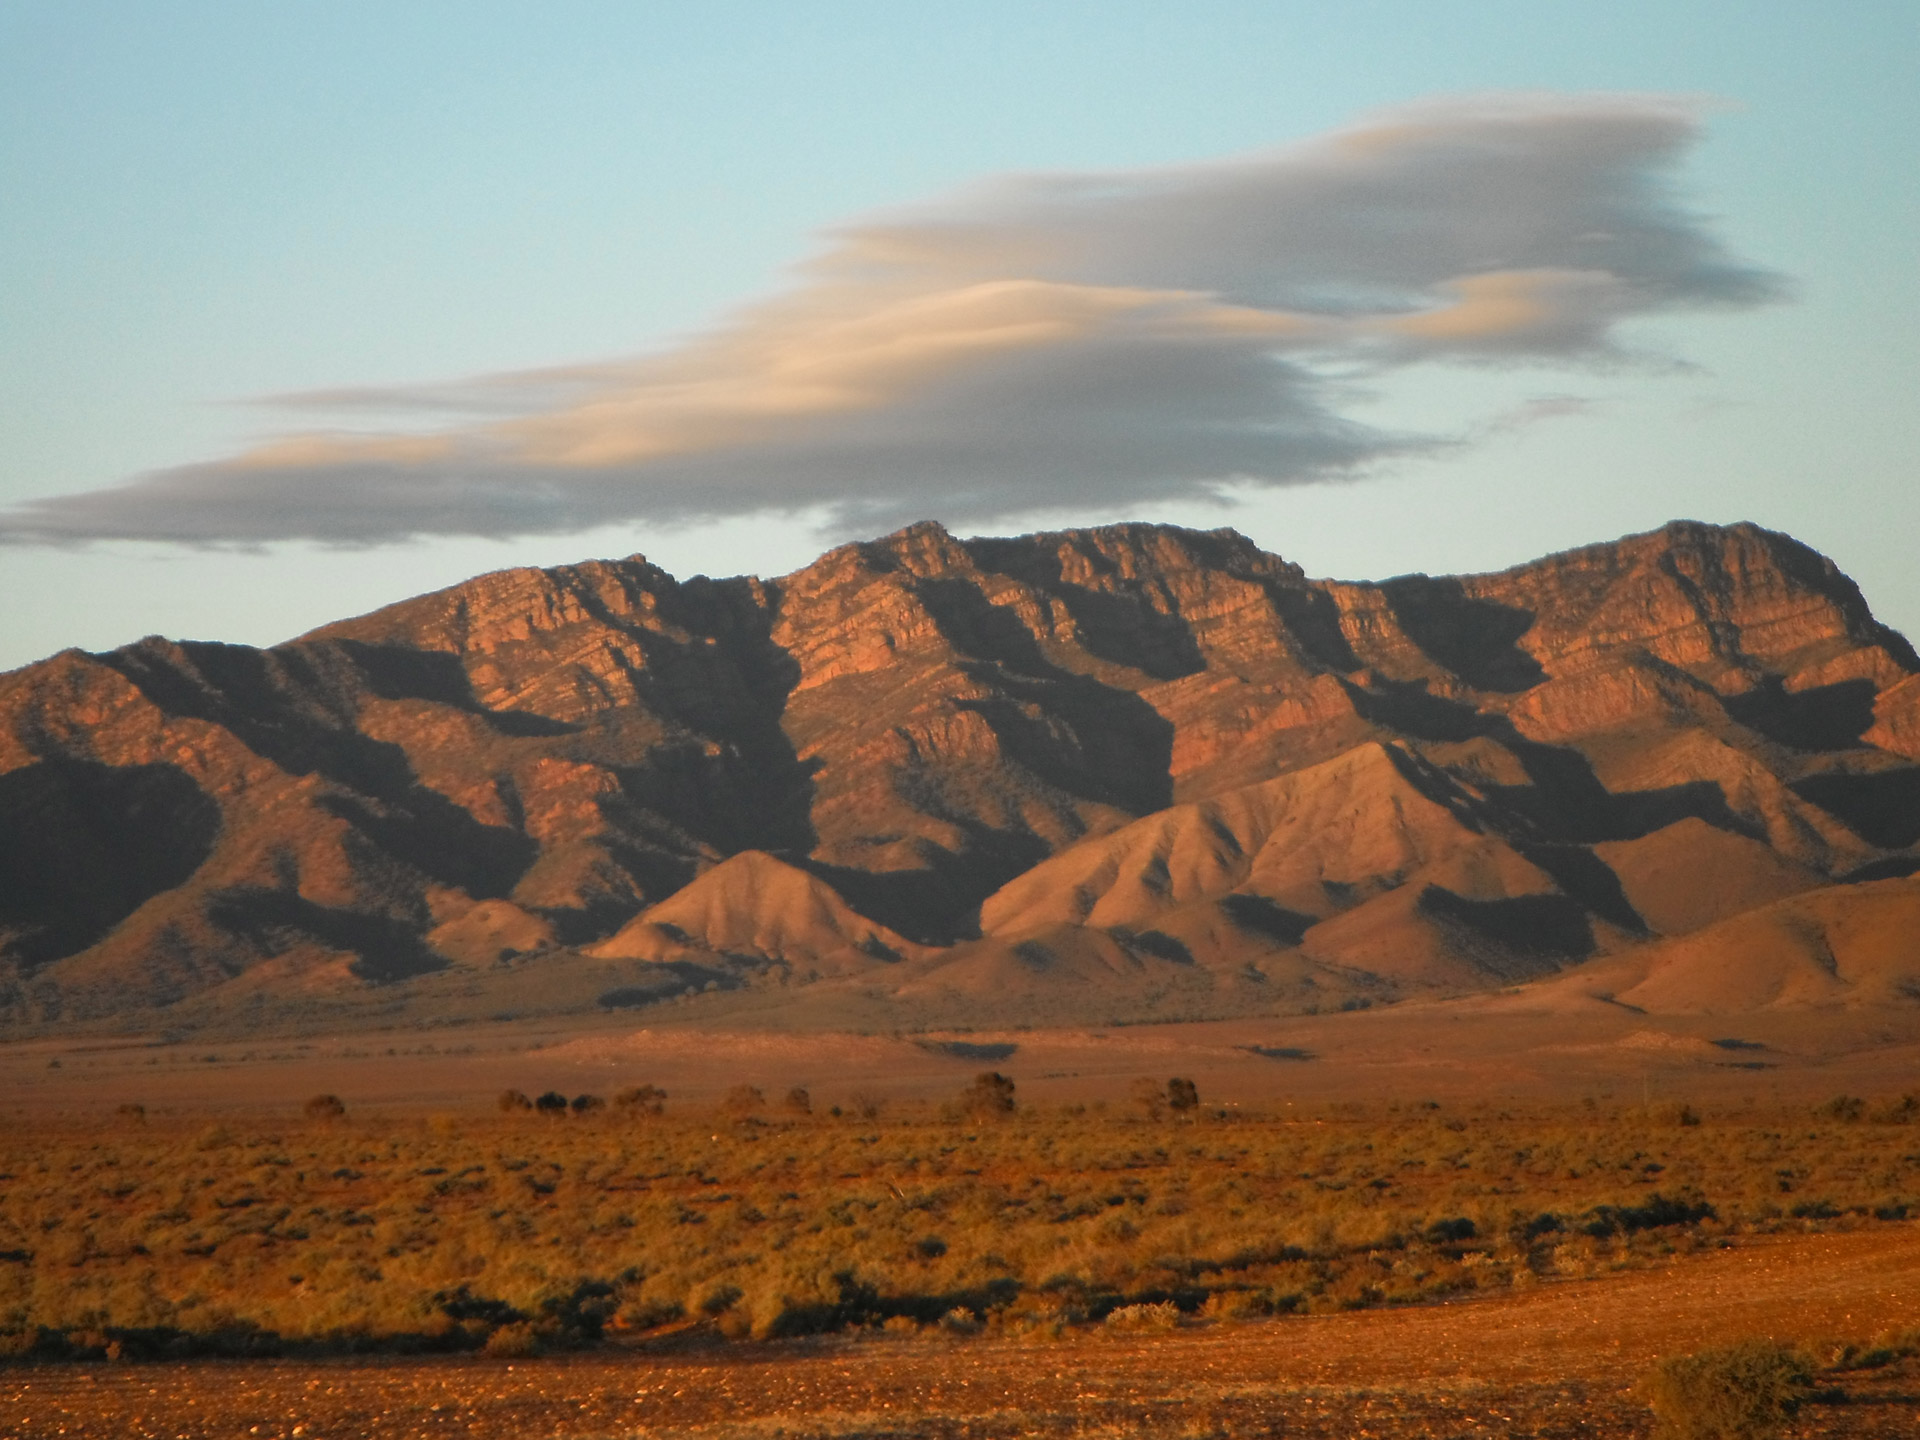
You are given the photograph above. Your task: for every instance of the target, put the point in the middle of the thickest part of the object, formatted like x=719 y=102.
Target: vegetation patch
x=551 y=1223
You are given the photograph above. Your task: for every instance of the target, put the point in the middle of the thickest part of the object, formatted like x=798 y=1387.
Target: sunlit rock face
x=1122 y=758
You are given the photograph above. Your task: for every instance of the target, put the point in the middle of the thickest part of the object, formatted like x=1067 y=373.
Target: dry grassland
x=523 y=1233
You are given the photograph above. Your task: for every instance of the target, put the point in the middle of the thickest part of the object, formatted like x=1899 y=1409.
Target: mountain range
x=1122 y=773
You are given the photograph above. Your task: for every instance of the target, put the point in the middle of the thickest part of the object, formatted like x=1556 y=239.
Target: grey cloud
x=1035 y=342
x=1367 y=218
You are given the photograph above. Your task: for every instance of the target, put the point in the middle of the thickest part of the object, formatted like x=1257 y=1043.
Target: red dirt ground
x=1556 y=1361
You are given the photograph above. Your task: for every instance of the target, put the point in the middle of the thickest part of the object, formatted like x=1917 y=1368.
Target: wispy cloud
x=1039 y=341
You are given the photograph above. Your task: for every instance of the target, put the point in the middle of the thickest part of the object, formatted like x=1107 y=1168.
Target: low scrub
x=507 y=1231
x=1741 y=1392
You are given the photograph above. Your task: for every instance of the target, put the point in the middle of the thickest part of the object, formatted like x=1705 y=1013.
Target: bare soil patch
x=1487 y=1048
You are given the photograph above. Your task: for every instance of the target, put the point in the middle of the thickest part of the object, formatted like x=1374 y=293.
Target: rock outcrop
x=1159 y=756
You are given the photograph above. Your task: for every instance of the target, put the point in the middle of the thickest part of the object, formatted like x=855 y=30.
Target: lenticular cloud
x=1032 y=342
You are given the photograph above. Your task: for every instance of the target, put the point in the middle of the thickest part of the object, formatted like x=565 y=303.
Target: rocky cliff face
x=1160 y=747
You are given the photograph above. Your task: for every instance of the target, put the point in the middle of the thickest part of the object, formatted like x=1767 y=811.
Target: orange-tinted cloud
x=1034 y=342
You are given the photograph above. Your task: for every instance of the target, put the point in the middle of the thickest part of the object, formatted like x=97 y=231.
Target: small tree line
x=990 y=1095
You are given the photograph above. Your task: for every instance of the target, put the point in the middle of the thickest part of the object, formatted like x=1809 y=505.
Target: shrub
x=576 y=1317
x=551 y=1103
x=1150 y=1098
x=582 y=1104
x=1658 y=1210
x=1742 y=1392
x=715 y=1297
x=1183 y=1095
x=960 y=1321
x=325 y=1107
x=1163 y=1316
x=1904 y=1111
x=641 y=1100
x=989 y=1097
x=798 y=1102
x=511 y=1342
x=743 y=1102
x=512 y=1100
x=1844 y=1108
x=1674 y=1112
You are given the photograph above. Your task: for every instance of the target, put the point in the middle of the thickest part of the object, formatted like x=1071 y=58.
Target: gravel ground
x=1559 y=1360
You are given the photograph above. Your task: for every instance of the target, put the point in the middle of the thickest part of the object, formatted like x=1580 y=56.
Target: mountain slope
x=1144 y=742
x=1854 y=946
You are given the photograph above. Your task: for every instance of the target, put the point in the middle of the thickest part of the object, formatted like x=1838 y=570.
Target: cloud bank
x=1037 y=341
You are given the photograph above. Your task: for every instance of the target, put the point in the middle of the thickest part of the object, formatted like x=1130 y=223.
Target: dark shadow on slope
x=727 y=683
x=83 y=845
x=1406 y=706
x=442 y=841
x=1157 y=943
x=718 y=799
x=1476 y=639
x=734 y=782
x=1832 y=717
x=583 y=924
x=978 y=628
x=1882 y=808
x=1435 y=784
x=1894 y=867
x=396 y=672
x=1119 y=625
x=1108 y=747
x=1559 y=787
x=938 y=904
x=1590 y=880
x=1258 y=915
x=1564 y=803
x=1091 y=740
x=1517 y=938
x=1567 y=804
x=656 y=869
x=292 y=707
x=1312 y=618
x=274 y=921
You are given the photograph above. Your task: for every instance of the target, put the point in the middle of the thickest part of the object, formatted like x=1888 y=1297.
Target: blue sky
x=406 y=213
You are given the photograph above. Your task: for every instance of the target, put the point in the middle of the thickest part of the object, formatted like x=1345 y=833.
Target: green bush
x=1741 y=1392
